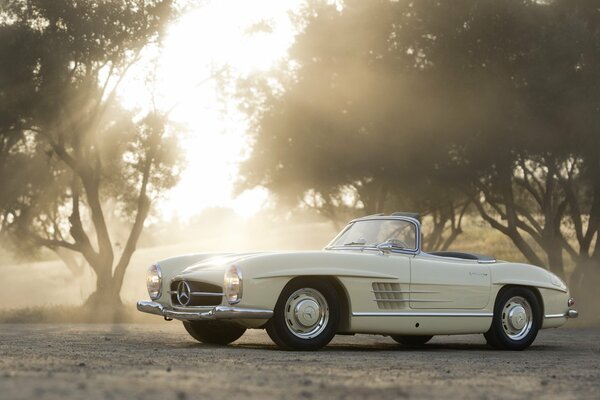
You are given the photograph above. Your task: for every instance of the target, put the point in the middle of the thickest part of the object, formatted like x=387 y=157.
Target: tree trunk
x=584 y=284
x=107 y=293
x=554 y=252
x=434 y=238
x=454 y=233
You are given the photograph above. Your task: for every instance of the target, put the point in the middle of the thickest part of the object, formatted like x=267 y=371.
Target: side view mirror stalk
x=385 y=247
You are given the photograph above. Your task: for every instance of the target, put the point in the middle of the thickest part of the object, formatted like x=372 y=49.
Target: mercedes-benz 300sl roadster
x=372 y=278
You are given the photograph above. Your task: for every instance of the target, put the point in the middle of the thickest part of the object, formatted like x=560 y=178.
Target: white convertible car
x=372 y=278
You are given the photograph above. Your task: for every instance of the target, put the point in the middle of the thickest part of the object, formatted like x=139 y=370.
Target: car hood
x=283 y=263
x=223 y=260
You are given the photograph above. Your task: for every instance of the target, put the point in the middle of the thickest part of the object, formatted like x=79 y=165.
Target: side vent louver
x=389 y=296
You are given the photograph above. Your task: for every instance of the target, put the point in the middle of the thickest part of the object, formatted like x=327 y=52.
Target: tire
x=211 y=332
x=412 y=341
x=306 y=316
x=517 y=319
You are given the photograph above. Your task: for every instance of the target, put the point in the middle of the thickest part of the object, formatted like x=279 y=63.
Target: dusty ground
x=160 y=361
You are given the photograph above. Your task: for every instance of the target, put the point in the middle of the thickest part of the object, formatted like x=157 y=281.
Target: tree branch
x=143 y=207
x=105 y=251
x=103 y=106
x=53 y=244
x=512 y=233
x=58 y=148
x=77 y=231
x=526 y=184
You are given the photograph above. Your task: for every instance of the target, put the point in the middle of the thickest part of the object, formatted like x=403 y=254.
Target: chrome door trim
x=416 y=300
x=421 y=314
x=402 y=291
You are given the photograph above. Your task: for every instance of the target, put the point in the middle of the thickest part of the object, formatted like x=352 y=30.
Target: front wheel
x=306 y=316
x=211 y=332
x=412 y=341
x=517 y=319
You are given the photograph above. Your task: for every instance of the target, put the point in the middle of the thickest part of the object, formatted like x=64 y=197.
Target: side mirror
x=385 y=247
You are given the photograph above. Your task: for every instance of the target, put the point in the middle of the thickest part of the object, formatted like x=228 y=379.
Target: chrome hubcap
x=306 y=313
x=517 y=318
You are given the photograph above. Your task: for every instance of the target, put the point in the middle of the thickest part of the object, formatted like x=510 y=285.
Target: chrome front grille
x=194 y=294
x=390 y=296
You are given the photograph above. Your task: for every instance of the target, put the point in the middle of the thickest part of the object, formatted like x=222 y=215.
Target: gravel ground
x=160 y=361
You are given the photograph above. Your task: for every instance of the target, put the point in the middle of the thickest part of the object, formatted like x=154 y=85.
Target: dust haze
x=481 y=116
x=50 y=282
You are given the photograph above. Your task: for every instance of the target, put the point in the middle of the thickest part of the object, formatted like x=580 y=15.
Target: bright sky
x=214 y=34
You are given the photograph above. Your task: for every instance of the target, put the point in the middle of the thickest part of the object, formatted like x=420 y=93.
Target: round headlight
x=232 y=284
x=154 y=281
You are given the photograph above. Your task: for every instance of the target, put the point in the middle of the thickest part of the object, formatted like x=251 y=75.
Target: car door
x=445 y=283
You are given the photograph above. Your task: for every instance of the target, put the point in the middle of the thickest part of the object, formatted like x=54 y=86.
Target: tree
x=67 y=148
x=344 y=135
x=527 y=141
x=493 y=104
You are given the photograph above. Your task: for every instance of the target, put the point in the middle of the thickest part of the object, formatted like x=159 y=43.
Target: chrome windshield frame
x=411 y=220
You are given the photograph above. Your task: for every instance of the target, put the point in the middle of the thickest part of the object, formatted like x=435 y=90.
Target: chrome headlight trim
x=154 y=281
x=233 y=284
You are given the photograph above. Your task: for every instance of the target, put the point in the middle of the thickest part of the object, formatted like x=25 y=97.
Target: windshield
x=400 y=233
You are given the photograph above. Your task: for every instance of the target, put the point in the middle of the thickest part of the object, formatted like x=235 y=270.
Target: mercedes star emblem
x=184 y=294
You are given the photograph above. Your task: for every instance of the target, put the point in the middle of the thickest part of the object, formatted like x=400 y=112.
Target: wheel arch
x=534 y=289
x=342 y=295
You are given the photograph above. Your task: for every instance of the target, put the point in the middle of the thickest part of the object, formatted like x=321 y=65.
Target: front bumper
x=203 y=313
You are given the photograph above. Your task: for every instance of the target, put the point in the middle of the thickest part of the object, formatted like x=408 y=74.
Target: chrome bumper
x=205 y=313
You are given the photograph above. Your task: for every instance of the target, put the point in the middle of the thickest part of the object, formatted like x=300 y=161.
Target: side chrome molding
x=421 y=314
x=415 y=300
x=568 y=314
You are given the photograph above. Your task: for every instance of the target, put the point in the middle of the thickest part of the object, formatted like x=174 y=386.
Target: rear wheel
x=211 y=332
x=306 y=316
x=517 y=319
x=413 y=341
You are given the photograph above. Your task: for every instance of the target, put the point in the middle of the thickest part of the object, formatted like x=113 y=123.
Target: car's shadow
x=369 y=348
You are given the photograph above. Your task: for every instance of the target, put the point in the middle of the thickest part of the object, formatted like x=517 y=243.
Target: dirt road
x=160 y=361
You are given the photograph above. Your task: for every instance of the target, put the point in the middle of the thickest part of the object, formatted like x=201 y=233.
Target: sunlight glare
x=243 y=36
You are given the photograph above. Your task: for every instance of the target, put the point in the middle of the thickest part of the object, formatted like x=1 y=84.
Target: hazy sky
x=214 y=34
